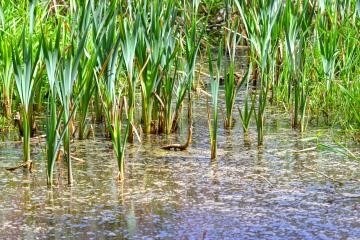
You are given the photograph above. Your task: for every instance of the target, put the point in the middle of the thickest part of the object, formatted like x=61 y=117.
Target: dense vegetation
x=81 y=60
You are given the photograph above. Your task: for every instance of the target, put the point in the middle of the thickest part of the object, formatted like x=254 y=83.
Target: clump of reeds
x=25 y=70
x=302 y=57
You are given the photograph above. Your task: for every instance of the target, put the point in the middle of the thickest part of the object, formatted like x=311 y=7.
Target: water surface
x=288 y=189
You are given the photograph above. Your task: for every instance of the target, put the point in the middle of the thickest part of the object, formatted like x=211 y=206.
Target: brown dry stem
x=182 y=147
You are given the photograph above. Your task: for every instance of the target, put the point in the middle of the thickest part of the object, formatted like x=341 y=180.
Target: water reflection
x=246 y=193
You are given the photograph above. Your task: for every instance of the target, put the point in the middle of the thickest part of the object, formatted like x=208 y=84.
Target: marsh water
x=288 y=189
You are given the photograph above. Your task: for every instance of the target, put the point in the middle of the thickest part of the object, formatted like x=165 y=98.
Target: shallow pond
x=289 y=189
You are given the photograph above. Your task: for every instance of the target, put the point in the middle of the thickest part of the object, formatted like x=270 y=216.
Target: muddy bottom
x=289 y=189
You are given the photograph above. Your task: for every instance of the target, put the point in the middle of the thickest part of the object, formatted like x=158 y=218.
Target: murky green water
x=280 y=191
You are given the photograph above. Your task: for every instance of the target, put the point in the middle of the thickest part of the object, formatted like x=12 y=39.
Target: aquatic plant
x=24 y=73
x=106 y=43
x=300 y=57
x=297 y=29
x=259 y=22
x=68 y=74
x=248 y=103
x=349 y=55
x=214 y=82
x=128 y=31
x=110 y=86
x=62 y=72
x=85 y=94
x=351 y=95
x=155 y=63
x=114 y=104
x=232 y=84
x=328 y=35
x=171 y=81
x=25 y=67
x=119 y=141
x=51 y=59
x=6 y=78
x=191 y=44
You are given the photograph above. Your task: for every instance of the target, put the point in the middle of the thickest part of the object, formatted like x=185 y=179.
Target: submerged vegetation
x=131 y=66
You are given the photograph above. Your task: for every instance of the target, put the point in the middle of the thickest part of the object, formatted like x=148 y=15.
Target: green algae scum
x=179 y=119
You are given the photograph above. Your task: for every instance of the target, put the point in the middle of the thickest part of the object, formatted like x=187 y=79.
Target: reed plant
x=54 y=131
x=246 y=112
x=349 y=56
x=24 y=79
x=172 y=80
x=154 y=52
x=106 y=45
x=303 y=55
x=248 y=103
x=193 y=35
x=297 y=28
x=119 y=140
x=69 y=70
x=128 y=31
x=25 y=67
x=232 y=85
x=214 y=82
x=233 y=81
x=259 y=22
x=110 y=85
x=85 y=94
x=53 y=140
x=2 y=17
x=6 y=78
x=51 y=59
x=114 y=104
x=64 y=89
x=351 y=95
x=328 y=36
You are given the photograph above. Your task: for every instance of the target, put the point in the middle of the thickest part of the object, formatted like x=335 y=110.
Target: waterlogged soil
x=288 y=189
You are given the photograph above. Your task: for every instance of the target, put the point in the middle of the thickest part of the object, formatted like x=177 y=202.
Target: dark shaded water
x=286 y=190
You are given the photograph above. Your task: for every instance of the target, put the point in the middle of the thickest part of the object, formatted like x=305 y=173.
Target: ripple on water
x=284 y=190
